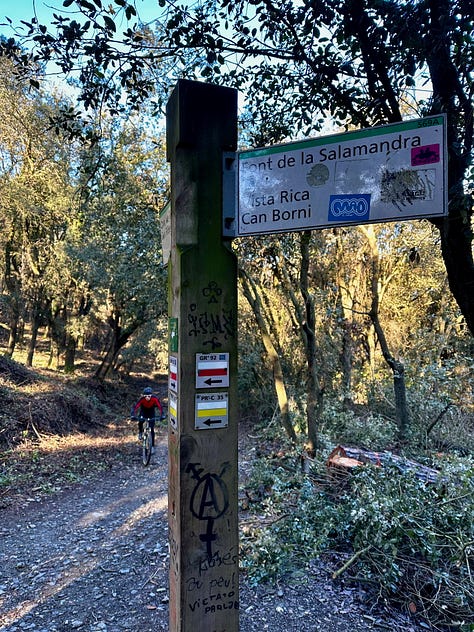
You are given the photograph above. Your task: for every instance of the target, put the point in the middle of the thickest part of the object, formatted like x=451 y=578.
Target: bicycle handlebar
x=141 y=418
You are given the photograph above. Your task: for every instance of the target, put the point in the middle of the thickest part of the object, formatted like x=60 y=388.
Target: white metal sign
x=173 y=374
x=388 y=173
x=212 y=370
x=173 y=410
x=212 y=411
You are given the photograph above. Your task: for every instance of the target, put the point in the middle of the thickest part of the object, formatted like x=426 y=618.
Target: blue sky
x=18 y=10
x=25 y=9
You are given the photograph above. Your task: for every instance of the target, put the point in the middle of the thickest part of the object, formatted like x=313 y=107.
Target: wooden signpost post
x=203 y=521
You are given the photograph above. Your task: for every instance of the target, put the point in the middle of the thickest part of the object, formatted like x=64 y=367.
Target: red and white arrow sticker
x=212 y=370
x=173 y=374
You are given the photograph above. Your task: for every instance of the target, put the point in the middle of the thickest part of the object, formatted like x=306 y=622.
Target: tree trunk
x=456 y=246
x=53 y=360
x=107 y=361
x=119 y=338
x=314 y=401
x=70 y=355
x=251 y=294
x=56 y=336
x=347 y=356
x=448 y=97
x=15 y=300
x=398 y=369
x=306 y=320
x=347 y=290
x=12 y=337
x=40 y=307
x=35 y=325
x=70 y=341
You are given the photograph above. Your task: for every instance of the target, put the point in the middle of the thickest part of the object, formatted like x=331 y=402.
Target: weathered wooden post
x=203 y=527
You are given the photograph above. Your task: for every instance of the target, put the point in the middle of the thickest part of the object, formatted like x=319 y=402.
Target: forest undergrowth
x=407 y=540
x=57 y=429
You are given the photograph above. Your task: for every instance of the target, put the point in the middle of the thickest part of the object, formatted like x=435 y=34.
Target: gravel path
x=94 y=558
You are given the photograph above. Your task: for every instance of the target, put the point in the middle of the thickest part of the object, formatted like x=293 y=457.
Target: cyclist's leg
x=146 y=444
x=140 y=427
x=152 y=429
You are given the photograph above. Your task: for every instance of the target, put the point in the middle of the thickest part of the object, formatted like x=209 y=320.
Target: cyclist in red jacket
x=148 y=407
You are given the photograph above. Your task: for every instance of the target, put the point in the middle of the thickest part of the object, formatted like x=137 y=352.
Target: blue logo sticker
x=349 y=207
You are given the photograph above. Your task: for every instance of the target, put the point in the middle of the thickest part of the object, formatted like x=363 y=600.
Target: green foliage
x=420 y=537
x=368 y=430
x=293 y=523
x=299 y=66
x=119 y=224
x=80 y=249
x=150 y=342
x=413 y=541
x=444 y=423
x=37 y=205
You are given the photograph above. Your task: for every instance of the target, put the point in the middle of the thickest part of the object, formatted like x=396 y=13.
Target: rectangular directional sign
x=212 y=370
x=389 y=173
x=173 y=374
x=173 y=335
x=173 y=409
x=211 y=411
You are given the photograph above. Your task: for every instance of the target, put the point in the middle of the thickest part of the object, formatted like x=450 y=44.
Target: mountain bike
x=147 y=438
x=147 y=445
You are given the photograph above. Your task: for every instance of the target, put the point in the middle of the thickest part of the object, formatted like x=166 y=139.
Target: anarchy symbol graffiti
x=209 y=500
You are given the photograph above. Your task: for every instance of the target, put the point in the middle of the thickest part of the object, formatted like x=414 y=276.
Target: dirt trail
x=94 y=558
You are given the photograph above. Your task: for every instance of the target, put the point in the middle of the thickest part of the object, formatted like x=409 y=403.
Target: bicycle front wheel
x=146 y=445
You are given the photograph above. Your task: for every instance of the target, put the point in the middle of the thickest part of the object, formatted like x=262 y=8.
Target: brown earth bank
x=83 y=531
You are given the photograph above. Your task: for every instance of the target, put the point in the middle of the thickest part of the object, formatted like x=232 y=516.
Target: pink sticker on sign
x=426 y=155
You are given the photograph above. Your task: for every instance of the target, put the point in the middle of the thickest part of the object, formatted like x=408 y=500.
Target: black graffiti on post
x=214 y=342
x=174 y=554
x=193 y=320
x=214 y=328
x=212 y=292
x=209 y=500
x=229 y=323
x=219 y=559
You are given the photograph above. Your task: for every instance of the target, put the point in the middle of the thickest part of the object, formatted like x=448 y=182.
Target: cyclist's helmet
x=147 y=391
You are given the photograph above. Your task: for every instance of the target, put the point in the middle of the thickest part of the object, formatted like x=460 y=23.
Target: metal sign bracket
x=229 y=194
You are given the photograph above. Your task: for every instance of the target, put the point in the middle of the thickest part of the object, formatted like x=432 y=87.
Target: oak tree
x=297 y=64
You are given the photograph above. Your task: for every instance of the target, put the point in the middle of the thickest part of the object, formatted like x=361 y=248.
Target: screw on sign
x=209 y=500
